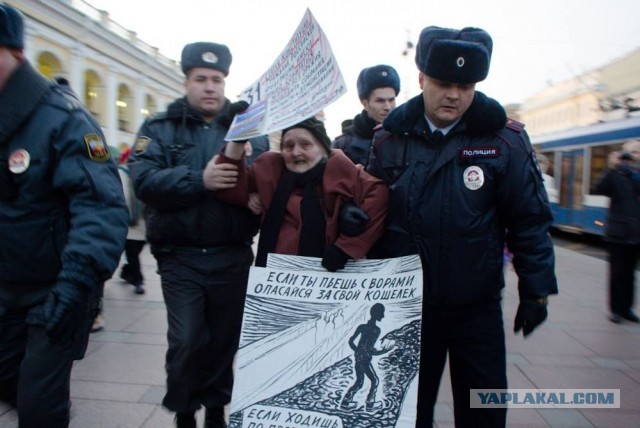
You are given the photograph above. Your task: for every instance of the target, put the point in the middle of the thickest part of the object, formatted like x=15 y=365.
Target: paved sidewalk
x=120 y=382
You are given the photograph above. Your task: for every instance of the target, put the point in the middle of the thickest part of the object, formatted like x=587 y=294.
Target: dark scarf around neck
x=363 y=125
x=313 y=235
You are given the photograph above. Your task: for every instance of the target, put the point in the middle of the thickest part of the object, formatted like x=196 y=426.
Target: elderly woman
x=314 y=201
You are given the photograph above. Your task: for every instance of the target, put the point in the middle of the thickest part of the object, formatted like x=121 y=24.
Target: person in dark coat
x=378 y=87
x=63 y=223
x=202 y=244
x=460 y=175
x=621 y=183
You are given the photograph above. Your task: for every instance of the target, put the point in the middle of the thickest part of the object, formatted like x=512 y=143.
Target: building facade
x=120 y=78
x=609 y=92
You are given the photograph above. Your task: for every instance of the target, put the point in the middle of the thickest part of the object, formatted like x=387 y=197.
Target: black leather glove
x=65 y=309
x=334 y=258
x=353 y=220
x=226 y=118
x=531 y=313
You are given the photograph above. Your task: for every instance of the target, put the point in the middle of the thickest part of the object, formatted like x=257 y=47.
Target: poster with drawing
x=304 y=79
x=323 y=349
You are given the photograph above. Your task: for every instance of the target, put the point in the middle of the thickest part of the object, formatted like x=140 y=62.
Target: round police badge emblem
x=19 y=161
x=473 y=177
x=209 y=57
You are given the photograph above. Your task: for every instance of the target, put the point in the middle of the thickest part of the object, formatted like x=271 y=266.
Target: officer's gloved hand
x=531 y=313
x=64 y=311
x=234 y=108
x=334 y=258
x=353 y=220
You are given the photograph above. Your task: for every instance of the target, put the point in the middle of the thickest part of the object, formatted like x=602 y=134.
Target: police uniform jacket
x=166 y=165
x=341 y=181
x=623 y=219
x=356 y=140
x=63 y=216
x=453 y=201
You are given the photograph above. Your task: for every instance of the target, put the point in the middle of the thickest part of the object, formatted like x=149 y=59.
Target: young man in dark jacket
x=378 y=87
x=621 y=183
x=202 y=245
x=462 y=181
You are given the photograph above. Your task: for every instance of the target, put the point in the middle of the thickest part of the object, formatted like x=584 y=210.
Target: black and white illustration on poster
x=323 y=349
x=304 y=79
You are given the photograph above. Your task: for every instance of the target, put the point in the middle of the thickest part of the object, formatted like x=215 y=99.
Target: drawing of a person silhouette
x=363 y=354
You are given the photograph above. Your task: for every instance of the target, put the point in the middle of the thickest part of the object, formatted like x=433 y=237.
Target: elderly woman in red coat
x=314 y=201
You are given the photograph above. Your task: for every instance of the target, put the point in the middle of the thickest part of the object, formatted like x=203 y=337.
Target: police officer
x=459 y=176
x=378 y=87
x=63 y=222
x=202 y=245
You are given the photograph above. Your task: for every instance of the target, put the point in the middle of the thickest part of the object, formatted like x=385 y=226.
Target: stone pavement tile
x=632 y=362
x=525 y=418
x=110 y=336
x=546 y=341
x=92 y=390
x=609 y=363
x=148 y=339
x=121 y=318
x=517 y=376
x=563 y=360
x=619 y=344
x=150 y=321
x=9 y=418
x=611 y=418
x=443 y=413
x=109 y=414
x=154 y=394
x=589 y=378
x=564 y=418
x=514 y=358
x=162 y=418
x=123 y=363
x=633 y=373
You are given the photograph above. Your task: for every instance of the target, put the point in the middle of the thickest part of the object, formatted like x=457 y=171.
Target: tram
x=571 y=162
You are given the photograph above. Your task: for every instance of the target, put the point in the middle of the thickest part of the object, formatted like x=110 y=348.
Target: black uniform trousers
x=35 y=373
x=473 y=337
x=204 y=292
x=132 y=271
x=623 y=259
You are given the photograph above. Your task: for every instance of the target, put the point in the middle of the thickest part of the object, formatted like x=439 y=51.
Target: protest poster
x=323 y=349
x=304 y=79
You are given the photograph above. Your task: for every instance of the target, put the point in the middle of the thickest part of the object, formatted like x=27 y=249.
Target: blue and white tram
x=576 y=158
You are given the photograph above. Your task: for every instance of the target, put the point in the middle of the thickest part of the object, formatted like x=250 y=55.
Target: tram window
x=545 y=161
x=599 y=157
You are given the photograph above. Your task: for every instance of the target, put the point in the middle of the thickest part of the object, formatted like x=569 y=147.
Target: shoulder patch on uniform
x=97 y=148
x=514 y=125
x=141 y=144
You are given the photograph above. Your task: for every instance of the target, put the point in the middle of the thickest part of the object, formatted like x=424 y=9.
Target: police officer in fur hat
x=378 y=87
x=63 y=223
x=202 y=245
x=464 y=182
